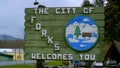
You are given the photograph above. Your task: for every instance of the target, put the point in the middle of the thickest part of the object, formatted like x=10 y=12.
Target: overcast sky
x=12 y=13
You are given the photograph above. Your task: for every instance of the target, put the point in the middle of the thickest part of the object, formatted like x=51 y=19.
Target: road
x=4 y=63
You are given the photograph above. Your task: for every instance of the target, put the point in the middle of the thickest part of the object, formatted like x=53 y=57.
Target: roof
x=107 y=47
x=117 y=44
x=112 y=51
x=4 y=54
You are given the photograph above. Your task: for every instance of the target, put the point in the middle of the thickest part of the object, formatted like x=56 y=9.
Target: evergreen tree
x=86 y=3
x=98 y=3
x=77 y=31
x=112 y=20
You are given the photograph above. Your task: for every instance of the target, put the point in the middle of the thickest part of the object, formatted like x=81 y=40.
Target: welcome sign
x=64 y=33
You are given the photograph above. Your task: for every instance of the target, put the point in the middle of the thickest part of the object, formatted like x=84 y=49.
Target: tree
x=112 y=20
x=99 y=3
x=86 y=3
x=77 y=31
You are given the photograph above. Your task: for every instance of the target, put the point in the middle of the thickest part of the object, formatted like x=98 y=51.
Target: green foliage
x=55 y=63
x=112 y=20
x=95 y=3
x=77 y=31
x=86 y=3
x=98 y=3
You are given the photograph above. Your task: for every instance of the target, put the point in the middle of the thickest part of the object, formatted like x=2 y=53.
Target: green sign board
x=64 y=33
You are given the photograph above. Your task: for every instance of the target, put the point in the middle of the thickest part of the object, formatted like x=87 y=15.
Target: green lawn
x=17 y=66
x=56 y=63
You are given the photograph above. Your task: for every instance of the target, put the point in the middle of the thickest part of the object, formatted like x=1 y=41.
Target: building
x=15 y=55
x=6 y=57
x=18 y=54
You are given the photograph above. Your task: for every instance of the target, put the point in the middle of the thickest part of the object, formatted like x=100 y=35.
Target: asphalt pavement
x=4 y=63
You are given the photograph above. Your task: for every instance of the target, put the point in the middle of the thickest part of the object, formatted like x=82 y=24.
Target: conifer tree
x=86 y=3
x=77 y=31
x=112 y=20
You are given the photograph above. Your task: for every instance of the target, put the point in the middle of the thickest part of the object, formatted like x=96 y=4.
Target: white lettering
x=74 y=9
x=35 y=9
x=88 y=9
x=68 y=10
x=46 y=11
x=57 y=46
x=86 y=56
x=33 y=19
x=44 y=33
x=57 y=10
x=85 y=10
x=38 y=56
x=63 y=11
x=43 y=10
x=50 y=39
x=38 y=26
x=43 y=56
x=59 y=56
x=49 y=56
x=54 y=56
x=70 y=56
x=64 y=56
x=33 y=56
x=91 y=9
x=81 y=56
x=92 y=57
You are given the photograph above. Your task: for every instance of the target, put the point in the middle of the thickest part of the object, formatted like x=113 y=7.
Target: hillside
x=7 y=41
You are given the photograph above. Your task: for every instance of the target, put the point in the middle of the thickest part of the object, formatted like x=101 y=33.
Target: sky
x=12 y=13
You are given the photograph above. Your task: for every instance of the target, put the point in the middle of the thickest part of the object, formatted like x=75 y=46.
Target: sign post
x=64 y=33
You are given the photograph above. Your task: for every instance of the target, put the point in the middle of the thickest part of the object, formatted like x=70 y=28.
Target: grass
x=56 y=63
x=18 y=66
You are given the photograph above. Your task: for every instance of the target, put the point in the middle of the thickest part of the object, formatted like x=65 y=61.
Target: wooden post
x=40 y=64
x=88 y=64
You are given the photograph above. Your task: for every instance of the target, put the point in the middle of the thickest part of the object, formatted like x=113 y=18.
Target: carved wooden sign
x=74 y=33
